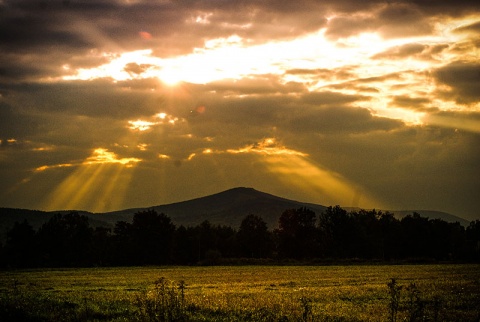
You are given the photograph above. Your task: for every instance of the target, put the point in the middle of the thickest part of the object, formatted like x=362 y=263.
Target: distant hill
x=225 y=208
x=430 y=214
x=36 y=218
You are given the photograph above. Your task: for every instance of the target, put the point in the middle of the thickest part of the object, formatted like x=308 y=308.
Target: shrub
x=165 y=302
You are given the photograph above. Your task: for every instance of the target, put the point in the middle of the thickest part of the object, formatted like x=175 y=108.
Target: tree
x=337 y=232
x=66 y=240
x=20 y=247
x=123 y=251
x=254 y=238
x=152 y=236
x=473 y=240
x=367 y=235
x=184 y=247
x=102 y=248
x=297 y=234
x=391 y=235
x=417 y=236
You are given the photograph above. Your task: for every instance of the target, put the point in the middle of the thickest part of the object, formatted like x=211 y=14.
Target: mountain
x=225 y=208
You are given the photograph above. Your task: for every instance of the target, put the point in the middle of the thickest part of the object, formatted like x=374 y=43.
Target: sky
x=114 y=104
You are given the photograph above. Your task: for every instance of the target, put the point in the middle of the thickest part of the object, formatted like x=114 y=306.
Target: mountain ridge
x=227 y=208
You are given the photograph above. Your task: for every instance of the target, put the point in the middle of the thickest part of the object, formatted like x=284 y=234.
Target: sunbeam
x=99 y=183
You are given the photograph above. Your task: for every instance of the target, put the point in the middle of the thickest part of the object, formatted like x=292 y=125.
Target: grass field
x=244 y=293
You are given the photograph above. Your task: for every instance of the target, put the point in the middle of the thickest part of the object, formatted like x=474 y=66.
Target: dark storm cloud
x=463 y=79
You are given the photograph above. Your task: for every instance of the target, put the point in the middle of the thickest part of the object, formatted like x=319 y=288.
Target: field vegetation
x=243 y=293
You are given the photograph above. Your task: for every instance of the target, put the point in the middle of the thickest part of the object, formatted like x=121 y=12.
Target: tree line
x=153 y=239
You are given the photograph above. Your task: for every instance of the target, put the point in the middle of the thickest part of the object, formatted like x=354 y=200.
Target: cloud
x=401 y=51
x=135 y=68
x=15 y=123
x=258 y=84
x=391 y=20
x=460 y=121
x=336 y=120
x=415 y=103
x=462 y=79
x=382 y=95
x=470 y=28
x=329 y=98
x=100 y=97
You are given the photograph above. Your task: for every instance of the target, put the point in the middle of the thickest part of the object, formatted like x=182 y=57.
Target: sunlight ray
x=114 y=188
x=99 y=182
x=320 y=184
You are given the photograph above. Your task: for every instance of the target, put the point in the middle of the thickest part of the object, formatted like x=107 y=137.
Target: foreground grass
x=244 y=293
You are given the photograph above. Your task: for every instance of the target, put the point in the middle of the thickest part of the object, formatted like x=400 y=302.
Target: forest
x=68 y=240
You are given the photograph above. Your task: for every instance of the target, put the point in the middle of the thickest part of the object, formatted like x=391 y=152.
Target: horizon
x=118 y=104
x=396 y=212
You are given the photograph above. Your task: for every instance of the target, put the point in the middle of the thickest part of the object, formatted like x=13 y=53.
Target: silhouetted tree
x=3 y=256
x=366 y=241
x=102 y=247
x=296 y=234
x=123 y=248
x=225 y=240
x=152 y=236
x=254 y=238
x=391 y=236
x=66 y=240
x=184 y=246
x=417 y=236
x=472 y=237
x=21 y=246
x=336 y=229
x=204 y=239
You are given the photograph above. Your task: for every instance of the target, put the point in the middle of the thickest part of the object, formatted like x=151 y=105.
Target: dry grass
x=320 y=293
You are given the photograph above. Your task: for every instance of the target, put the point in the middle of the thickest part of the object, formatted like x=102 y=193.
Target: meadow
x=243 y=293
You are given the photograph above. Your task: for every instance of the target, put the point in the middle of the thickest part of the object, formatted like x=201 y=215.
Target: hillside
x=225 y=208
x=430 y=214
x=36 y=218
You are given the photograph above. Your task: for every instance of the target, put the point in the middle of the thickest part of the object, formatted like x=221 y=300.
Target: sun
x=171 y=76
